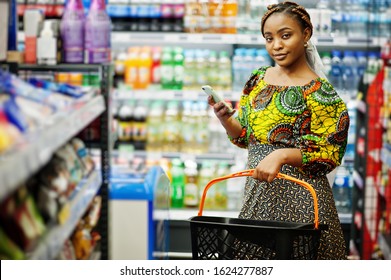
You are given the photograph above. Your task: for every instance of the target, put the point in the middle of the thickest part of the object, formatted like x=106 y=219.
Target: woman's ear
x=307 y=34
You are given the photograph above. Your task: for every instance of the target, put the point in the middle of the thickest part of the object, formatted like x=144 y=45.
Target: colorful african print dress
x=312 y=118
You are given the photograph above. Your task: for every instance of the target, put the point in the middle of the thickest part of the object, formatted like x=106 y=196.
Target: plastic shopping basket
x=233 y=238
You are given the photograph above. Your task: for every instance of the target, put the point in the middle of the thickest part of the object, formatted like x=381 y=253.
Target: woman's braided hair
x=291 y=8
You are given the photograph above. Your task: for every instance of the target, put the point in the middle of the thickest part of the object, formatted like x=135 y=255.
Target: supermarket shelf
x=229 y=39
x=170 y=95
x=36 y=149
x=51 y=244
x=345 y=218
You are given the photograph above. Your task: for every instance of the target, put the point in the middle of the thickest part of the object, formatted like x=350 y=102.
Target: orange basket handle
x=249 y=172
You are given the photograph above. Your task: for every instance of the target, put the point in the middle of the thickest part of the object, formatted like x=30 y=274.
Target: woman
x=292 y=121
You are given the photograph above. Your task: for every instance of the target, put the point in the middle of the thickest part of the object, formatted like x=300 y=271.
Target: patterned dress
x=312 y=118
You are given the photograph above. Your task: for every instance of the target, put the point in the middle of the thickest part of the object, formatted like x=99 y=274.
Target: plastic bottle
x=336 y=76
x=172 y=127
x=97 y=34
x=237 y=69
x=342 y=190
x=139 y=125
x=357 y=24
x=206 y=174
x=167 y=68
x=177 y=184
x=156 y=66
x=224 y=80
x=131 y=67
x=361 y=63
x=201 y=116
x=338 y=20
x=188 y=127
x=350 y=77
x=212 y=69
x=144 y=68
x=201 y=66
x=191 y=184
x=221 y=195
x=190 y=70
x=72 y=32
x=178 y=68
x=125 y=123
x=154 y=127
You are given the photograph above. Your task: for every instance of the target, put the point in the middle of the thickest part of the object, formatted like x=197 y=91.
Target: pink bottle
x=72 y=32
x=97 y=43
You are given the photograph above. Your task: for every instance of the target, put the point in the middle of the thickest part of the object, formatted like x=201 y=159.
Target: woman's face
x=285 y=40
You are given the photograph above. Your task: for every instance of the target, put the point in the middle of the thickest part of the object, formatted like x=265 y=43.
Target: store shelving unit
x=36 y=148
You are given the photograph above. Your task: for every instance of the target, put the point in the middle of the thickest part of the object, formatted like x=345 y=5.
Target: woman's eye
x=286 y=36
x=268 y=39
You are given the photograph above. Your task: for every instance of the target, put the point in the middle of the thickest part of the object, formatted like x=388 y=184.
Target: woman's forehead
x=277 y=21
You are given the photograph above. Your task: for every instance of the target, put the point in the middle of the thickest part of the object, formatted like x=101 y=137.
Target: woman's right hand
x=220 y=110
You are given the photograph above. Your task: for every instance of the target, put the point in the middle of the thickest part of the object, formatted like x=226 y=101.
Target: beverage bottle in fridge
x=154 y=126
x=139 y=125
x=201 y=116
x=167 y=68
x=156 y=67
x=238 y=69
x=224 y=80
x=188 y=124
x=190 y=70
x=206 y=174
x=201 y=66
x=144 y=68
x=97 y=43
x=131 y=67
x=178 y=68
x=125 y=123
x=221 y=195
x=350 y=77
x=191 y=185
x=212 y=69
x=336 y=75
x=177 y=183
x=172 y=127
x=72 y=32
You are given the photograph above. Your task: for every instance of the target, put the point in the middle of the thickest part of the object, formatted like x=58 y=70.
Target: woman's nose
x=277 y=44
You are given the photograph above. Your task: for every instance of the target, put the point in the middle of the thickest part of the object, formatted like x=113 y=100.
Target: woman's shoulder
x=256 y=76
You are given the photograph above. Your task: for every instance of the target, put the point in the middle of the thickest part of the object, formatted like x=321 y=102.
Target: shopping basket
x=234 y=238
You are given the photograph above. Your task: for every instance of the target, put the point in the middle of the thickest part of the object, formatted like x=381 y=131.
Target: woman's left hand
x=268 y=168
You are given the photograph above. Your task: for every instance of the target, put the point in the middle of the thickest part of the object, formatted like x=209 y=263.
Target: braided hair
x=292 y=9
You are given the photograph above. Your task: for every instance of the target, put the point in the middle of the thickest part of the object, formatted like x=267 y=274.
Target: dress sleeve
x=324 y=142
x=244 y=107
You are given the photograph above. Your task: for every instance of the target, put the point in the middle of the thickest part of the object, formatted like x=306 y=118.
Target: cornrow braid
x=288 y=7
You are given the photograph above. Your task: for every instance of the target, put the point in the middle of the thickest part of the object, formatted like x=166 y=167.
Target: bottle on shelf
x=125 y=123
x=336 y=76
x=172 y=136
x=224 y=72
x=131 y=67
x=97 y=43
x=221 y=195
x=177 y=183
x=191 y=185
x=167 y=68
x=188 y=124
x=178 y=68
x=139 y=125
x=154 y=126
x=144 y=68
x=350 y=76
x=72 y=32
x=190 y=70
x=206 y=174
x=212 y=69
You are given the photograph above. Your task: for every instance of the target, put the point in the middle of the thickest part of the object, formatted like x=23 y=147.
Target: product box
x=32 y=20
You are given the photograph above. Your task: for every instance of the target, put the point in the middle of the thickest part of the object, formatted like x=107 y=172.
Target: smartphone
x=216 y=97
